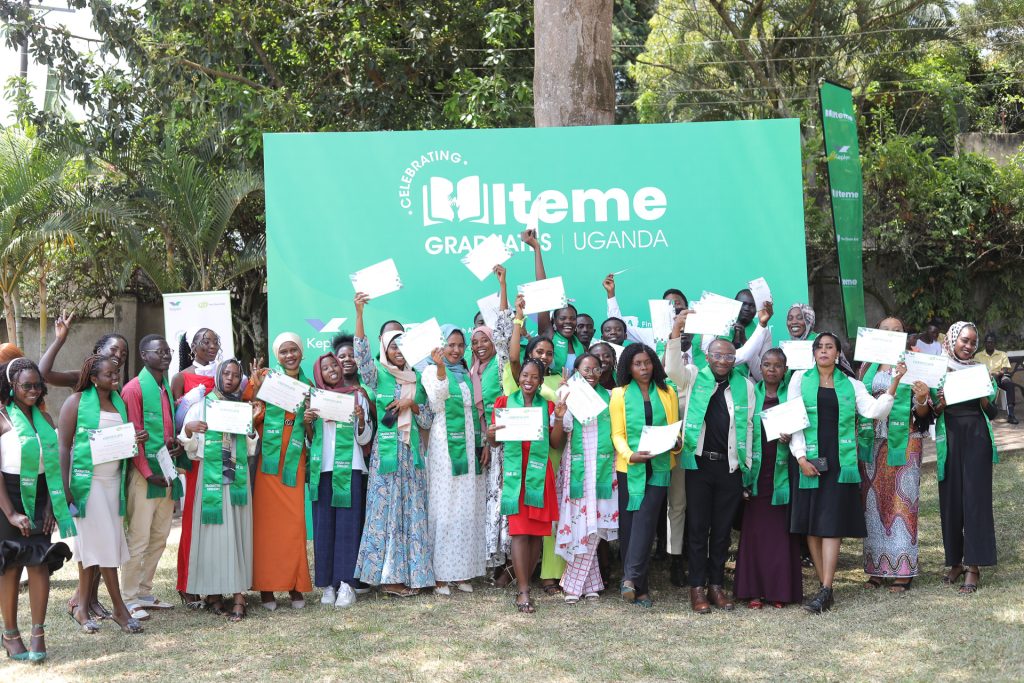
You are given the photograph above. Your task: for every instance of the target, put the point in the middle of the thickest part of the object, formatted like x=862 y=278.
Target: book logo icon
x=446 y=202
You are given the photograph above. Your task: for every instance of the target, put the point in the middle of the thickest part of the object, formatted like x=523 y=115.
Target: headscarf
x=218 y=380
x=457 y=368
x=283 y=338
x=476 y=370
x=318 y=378
x=809 y=318
x=949 y=344
x=9 y=351
x=406 y=380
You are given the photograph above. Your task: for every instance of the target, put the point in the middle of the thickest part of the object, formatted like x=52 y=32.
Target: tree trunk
x=18 y=332
x=43 y=268
x=12 y=326
x=573 y=82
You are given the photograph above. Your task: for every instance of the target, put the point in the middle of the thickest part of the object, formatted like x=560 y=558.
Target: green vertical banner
x=846 y=189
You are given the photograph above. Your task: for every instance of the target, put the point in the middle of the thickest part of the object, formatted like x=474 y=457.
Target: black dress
x=18 y=551
x=832 y=510
x=965 y=494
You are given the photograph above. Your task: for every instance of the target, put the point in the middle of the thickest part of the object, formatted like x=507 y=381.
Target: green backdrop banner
x=846 y=188
x=695 y=206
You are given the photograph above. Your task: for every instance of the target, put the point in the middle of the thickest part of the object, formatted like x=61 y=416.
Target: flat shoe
x=298 y=604
x=270 y=606
x=571 y=599
x=465 y=587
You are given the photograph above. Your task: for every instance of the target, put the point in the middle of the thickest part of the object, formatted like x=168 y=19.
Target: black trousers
x=637 y=530
x=713 y=497
x=965 y=495
x=1007 y=385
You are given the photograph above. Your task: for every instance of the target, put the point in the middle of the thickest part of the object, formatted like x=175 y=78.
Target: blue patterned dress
x=395 y=548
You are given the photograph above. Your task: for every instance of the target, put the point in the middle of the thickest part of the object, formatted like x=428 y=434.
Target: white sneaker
x=346 y=596
x=328 y=596
x=465 y=586
x=270 y=606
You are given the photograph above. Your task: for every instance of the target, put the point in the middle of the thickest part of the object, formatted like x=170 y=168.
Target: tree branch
x=216 y=73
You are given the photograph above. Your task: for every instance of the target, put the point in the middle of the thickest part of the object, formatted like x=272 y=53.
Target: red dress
x=531 y=521
x=192 y=380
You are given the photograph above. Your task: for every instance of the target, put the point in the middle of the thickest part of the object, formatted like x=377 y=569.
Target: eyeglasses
x=588 y=372
x=723 y=356
x=30 y=386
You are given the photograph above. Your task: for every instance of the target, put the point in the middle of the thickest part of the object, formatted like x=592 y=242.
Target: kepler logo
x=842 y=153
x=841 y=115
x=450 y=196
x=332 y=327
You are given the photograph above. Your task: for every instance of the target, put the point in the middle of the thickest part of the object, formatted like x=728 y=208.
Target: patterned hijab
x=406 y=380
x=949 y=344
x=809 y=318
x=218 y=380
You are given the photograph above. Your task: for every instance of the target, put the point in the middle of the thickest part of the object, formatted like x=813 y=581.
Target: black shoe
x=822 y=602
x=1012 y=419
x=676 y=574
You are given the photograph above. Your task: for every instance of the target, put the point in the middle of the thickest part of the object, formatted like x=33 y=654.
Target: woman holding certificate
x=395 y=551
x=528 y=493
x=33 y=503
x=768 y=561
x=588 y=502
x=826 y=506
x=890 y=462
x=339 y=490
x=966 y=452
x=643 y=398
x=457 y=490
x=220 y=514
x=97 y=489
x=279 y=509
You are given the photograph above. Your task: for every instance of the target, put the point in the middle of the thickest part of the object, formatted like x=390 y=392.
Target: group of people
x=419 y=491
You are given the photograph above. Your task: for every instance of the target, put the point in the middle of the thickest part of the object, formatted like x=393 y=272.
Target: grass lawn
x=931 y=633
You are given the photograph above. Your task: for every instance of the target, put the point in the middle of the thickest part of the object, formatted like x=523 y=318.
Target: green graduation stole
x=273 y=432
x=213 y=472
x=703 y=389
x=605 y=454
x=341 y=472
x=153 y=421
x=847 y=397
x=81 y=453
x=941 y=445
x=780 y=484
x=38 y=438
x=899 y=424
x=490 y=389
x=661 y=464
x=388 y=437
x=561 y=345
x=536 y=465
x=455 y=420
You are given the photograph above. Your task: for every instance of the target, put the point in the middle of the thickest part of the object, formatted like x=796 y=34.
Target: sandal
x=11 y=636
x=953 y=574
x=551 y=589
x=592 y=597
x=88 y=626
x=192 y=601
x=901 y=585
x=874 y=582
x=504 y=578
x=37 y=656
x=238 y=612
x=215 y=606
x=133 y=625
x=967 y=588
x=756 y=603
x=404 y=592
x=524 y=607
x=100 y=612
x=571 y=599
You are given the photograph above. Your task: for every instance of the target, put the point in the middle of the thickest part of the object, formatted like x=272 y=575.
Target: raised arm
x=543 y=319
x=361 y=347
x=62 y=326
x=613 y=309
x=499 y=272
x=514 y=353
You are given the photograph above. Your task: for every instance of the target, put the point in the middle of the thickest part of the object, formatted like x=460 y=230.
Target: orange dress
x=279 y=561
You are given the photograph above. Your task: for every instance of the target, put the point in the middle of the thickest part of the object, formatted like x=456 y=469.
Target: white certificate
x=880 y=346
x=521 y=424
x=230 y=417
x=789 y=417
x=924 y=367
x=759 y=288
x=712 y=315
x=583 y=402
x=799 y=354
x=489 y=253
x=658 y=439
x=663 y=313
x=543 y=296
x=967 y=384
x=167 y=469
x=644 y=335
x=113 y=443
x=282 y=391
x=377 y=280
x=420 y=341
x=490 y=309
x=331 y=405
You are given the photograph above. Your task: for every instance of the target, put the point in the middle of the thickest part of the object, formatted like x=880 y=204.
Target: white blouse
x=362 y=438
x=10 y=450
